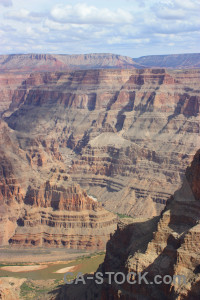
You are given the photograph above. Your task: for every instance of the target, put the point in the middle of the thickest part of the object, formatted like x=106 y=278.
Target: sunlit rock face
x=40 y=205
x=124 y=135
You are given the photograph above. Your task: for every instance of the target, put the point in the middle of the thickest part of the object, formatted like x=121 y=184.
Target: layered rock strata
x=124 y=135
x=39 y=203
x=168 y=245
x=62 y=218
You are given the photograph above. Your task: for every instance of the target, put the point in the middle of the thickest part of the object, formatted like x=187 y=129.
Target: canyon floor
x=39 y=274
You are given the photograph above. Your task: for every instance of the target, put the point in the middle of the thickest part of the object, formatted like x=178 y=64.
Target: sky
x=128 y=27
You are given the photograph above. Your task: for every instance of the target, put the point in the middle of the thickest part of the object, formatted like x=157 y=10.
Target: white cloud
x=15 y=14
x=187 y=4
x=80 y=28
x=115 y=40
x=55 y=25
x=6 y=3
x=168 y=13
x=23 y=15
x=84 y=14
x=176 y=9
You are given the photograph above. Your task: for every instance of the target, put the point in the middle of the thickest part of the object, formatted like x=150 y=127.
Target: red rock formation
x=57 y=217
x=122 y=134
x=39 y=203
x=120 y=131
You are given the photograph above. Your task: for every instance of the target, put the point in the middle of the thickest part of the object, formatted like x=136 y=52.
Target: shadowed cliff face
x=124 y=135
x=14 y=69
x=164 y=245
x=167 y=246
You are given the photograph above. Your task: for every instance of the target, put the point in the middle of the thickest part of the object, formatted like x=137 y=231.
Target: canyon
x=93 y=153
x=16 y=68
x=72 y=137
x=40 y=205
x=124 y=135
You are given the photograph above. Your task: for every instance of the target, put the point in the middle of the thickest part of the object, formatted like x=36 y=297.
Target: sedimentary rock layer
x=62 y=218
x=124 y=135
x=27 y=63
x=39 y=203
x=14 y=69
x=168 y=245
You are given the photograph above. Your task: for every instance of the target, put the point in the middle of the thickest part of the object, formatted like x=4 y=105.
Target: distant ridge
x=28 y=63
x=63 y=62
x=178 y=61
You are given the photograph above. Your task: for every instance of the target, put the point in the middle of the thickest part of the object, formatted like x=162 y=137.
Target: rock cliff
x=57 y=217
x=40 y=205
x=124 y=135
x=15 y=68
x=168 y=245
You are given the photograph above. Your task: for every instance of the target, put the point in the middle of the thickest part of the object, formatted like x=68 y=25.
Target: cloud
x=6 y=3
x=24 y=15
x=176 y=9
x=52 y=25
x=170 y=14
x=169 y=25
x=84 y=14
x=187 y=4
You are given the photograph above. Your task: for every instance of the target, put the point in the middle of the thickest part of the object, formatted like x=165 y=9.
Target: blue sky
x=127 y=27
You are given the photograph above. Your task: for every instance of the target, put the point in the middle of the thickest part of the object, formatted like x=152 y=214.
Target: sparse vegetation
x=122 y=216
x=42 y=282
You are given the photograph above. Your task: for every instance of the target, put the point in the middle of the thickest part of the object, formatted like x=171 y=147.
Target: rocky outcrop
x=124 y=135
x=168 y=245
x=10 y=288
x=39 y=203
x=9 y=83
x=56 y=217
x=15 y=68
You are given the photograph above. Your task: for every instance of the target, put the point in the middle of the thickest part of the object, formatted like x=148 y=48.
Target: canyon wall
x=124 y=135
x=168 y=245
x=40 y=205
x=15 y=68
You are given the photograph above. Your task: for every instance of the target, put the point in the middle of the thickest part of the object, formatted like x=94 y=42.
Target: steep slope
x=58 y=217
x=9 y=83
x=124 y=135
x=39 y=203
x=168 y=246
x=16 y=68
